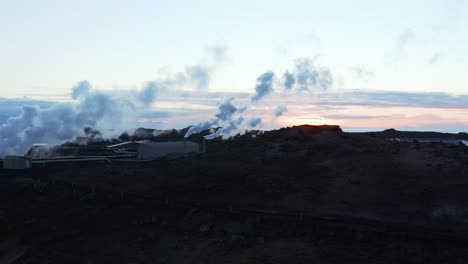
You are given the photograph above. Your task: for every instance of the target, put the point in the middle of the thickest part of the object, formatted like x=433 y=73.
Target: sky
x=397 y=63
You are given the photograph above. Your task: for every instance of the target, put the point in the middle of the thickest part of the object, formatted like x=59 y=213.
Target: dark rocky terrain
x=304 y=194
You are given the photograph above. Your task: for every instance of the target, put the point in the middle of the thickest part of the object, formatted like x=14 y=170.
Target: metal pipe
x=41 y=161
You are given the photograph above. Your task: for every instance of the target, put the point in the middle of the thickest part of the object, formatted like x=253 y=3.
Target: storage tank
x=153 y=150
x=16 y=162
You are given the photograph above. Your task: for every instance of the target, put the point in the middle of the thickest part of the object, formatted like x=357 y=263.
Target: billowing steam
x=305 y=76
x=228 y=119
x=148 y=94
x=102 y=110
x=98 y=109
x=64 y=121
x=232 y=126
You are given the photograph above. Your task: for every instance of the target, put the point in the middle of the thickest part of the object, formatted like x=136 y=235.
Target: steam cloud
x=264 y=85
x=309 y=76
x=280 y=110
x=113 y=109
x=197 y=75
x=149 y=93
x=63 y=121
x=255 y=121
x=226 y=131
x=226 y=118
x=306 y=76
x=288 y=80
x=98 y=109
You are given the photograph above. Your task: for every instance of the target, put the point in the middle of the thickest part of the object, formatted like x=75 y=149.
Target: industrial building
x=450 y=141
x=145 y=150
x=153 y=150
x=16 y=162
x=126 y=151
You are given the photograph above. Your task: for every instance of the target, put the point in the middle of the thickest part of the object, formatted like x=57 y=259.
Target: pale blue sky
x=47 y=46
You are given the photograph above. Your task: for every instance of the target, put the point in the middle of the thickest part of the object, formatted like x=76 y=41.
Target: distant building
x=129 y=146
x=145 y=150
x=153 y=150
x=434 y=140
x=16 y=162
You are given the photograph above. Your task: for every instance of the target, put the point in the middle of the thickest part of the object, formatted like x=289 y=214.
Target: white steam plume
x=227 y=118
x=305 y=76
x=102 y=110
x=64 y=121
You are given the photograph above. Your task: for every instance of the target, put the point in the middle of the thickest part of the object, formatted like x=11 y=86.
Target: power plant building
x=153 y=150
x=16 y=162
x=131 y=151
x=146 y=150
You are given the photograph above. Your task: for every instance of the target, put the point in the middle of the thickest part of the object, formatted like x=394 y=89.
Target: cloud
x=199 y=75
x=362 y=73
x=404 y=37
x=226 y=110
x=288 y=80
x=81 y=89
x=218 y=53
x=434 y=58
x=148 y=94
x=402 y=42
x=264 y=85
x=14 y=107
x=306 y=76
x=280 y=110
x=255 y=121
x=395 y=98
x=309 y=76
x=350 y=116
